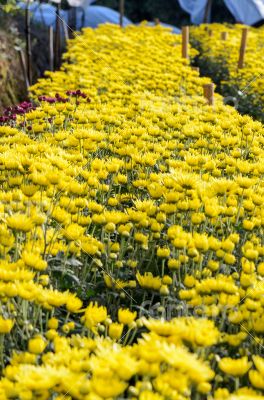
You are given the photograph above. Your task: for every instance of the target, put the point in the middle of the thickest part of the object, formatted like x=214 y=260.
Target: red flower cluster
x=56 y=99
x=76 y=93
x=10 y=113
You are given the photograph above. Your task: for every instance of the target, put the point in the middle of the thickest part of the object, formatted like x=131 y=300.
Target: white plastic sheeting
x=246 y=11
x=80 y=3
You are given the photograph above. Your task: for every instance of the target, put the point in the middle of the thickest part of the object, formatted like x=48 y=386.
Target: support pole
x=57 y=50
x=209 y=93
x=185 y=42
x=28 y=44
x=51 y=48
x=65 y=29
x=72 y=21
x=207 y=13
x=243 y=47
x=121 y=12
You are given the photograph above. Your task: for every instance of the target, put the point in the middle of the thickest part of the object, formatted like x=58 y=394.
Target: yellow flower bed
x=219 y=55
x=131 y=234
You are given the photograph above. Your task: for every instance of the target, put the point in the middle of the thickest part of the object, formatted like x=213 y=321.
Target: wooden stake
x=51 y=48
x=121 y=12
x=185 y=41
x=57 y=50
x=209 y=93
x=28 y=44
x=23 y=66
x=156 y=21
x=210 y=32
x=243 y=46
x=224 y=35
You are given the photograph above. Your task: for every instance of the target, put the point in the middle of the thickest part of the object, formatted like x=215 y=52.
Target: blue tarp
x=96 y=15
x=196 y=8
x=42 y=13
x=90 y=16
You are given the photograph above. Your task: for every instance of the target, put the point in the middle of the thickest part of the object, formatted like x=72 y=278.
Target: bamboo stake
x=209 y=93
x=23 y=66
x=28 y=44
x=51 y=48
x=121 y=12
x=243 y=47
x=185 y=41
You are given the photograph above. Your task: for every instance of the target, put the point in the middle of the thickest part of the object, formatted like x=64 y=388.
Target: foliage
x=8 y=6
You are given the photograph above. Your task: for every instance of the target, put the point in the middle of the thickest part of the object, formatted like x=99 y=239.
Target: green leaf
x=90 y=293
